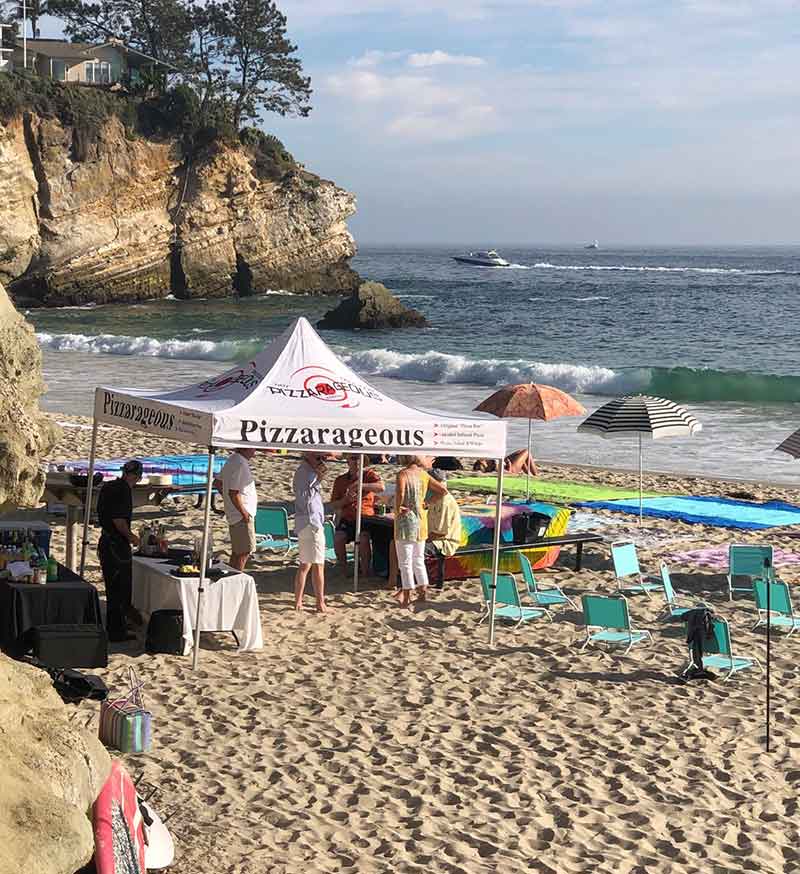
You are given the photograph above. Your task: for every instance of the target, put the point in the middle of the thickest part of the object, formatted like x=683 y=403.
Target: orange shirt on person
x=343 y=482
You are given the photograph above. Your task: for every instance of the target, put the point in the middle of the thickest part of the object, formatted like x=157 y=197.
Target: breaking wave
x=546 y=265
x=698 y=385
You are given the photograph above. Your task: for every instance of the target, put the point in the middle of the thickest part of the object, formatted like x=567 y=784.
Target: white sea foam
x=114 y=344
x=440 y=368
x=591 y=298
x=546 y=265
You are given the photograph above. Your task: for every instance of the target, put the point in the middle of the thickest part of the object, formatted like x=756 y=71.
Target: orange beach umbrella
x=530 y=400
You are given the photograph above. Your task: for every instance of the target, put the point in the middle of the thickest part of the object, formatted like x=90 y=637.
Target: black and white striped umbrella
x=645 y=416
x=791 y=445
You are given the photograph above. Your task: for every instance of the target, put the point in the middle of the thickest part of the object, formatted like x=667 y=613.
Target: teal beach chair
x=550 y=597
x=719 y=653
x=607 y=621
x=508 y=604
x=330 y=533
x=746 y=561
x=627 y=571
x=272 y=530
x=671 y=607
x=781 y=612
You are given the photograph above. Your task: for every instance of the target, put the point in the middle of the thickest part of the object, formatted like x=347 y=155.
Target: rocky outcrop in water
x=122 y=219
x=374 y=307
x=26 y=435
x=51 y=772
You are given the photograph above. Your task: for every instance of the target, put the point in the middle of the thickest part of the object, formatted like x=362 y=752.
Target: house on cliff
x=83 y=63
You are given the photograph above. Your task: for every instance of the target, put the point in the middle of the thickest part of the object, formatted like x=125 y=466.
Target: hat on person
x=134 y=466
x=438 y=475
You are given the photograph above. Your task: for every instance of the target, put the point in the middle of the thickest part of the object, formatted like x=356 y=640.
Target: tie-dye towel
x=716 y=557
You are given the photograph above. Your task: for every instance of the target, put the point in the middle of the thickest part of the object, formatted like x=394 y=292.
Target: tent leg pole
x=640 y=480
x=496 y=547
x=528 y=467
x=768 y=580
x=87 y=510
x=204 y=554
x=357 y=543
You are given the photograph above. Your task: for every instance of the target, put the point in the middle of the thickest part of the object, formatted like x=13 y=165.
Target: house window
x=98 y=72
x=58 y=70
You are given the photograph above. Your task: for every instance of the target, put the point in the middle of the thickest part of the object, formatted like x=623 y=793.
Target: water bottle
x=52 y=570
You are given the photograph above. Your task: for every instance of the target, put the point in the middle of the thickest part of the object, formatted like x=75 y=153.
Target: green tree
x=264 y=73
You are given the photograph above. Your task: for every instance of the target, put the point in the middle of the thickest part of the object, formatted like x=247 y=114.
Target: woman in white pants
x=411 y=524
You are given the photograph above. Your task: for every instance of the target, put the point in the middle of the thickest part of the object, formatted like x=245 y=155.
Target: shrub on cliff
x=271 y=159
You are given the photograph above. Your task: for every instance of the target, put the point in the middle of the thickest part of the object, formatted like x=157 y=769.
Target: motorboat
x=594 y=245
x=489 y=258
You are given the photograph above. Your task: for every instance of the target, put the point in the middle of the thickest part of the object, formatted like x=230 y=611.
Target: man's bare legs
x=340 y=548
x=239 y=560
x=318 y=582
x=365 y=551
x=300 y=585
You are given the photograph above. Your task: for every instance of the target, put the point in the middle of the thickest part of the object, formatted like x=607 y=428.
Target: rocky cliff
x=26 y=436
x=122 y=219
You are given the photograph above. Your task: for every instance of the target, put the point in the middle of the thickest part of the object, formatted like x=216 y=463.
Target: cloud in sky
x=593 y=98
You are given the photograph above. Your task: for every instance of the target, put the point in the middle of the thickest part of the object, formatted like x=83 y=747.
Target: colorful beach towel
x=477 y=525
x=722 y=512
x=716 y=557
x=611 y=529
x=552 y=490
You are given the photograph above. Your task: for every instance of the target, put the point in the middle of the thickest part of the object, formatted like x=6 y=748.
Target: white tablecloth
x=229 y=604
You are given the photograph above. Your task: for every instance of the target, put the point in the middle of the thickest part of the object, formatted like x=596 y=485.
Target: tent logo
x=322 y=384
x=248 y=379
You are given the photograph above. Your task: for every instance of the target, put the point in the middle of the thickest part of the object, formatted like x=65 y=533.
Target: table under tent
x=295 y=394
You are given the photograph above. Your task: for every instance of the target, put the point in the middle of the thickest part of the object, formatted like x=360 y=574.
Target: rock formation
x=51 y=771
x=122 y=219
x=26 y=436
x=372 y=306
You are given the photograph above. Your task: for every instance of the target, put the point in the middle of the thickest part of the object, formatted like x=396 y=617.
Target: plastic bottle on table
x=52 y=570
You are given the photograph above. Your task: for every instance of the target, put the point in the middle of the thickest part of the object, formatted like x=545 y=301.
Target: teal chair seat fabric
x=745 y=565
x=626 y=569
x=671 y=608
x=719 y=653
x=508 y=604
x=272 y=530
x=550 y=597
x=608 y=621
x=781 y=613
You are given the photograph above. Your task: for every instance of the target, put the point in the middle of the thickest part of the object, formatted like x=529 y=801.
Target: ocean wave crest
x=149 y=347
x=546 y=265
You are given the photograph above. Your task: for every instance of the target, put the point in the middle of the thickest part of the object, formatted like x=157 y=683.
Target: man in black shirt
x=114 y=512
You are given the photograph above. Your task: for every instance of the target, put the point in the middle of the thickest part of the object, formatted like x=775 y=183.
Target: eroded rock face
x=51 y=771
x=125 y=219
x=26 y=436
x=373 y=306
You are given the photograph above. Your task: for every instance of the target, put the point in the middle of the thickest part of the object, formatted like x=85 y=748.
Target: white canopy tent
x=295 y=394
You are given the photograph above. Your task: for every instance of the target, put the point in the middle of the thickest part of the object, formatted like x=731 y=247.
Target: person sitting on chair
x=444 y=527
x=344 y=496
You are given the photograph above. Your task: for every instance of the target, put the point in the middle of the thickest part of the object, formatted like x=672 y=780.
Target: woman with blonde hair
x=411 y=523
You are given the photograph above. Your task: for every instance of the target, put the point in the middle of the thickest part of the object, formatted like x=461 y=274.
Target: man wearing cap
x=115 y=512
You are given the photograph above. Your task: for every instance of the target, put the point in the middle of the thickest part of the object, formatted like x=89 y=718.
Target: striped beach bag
x=125 y=724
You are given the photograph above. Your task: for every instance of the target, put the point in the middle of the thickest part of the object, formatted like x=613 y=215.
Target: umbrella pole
x=496 y=548
x=528 y=467
x=357 y=544
x=640 y=480
x=204 y=554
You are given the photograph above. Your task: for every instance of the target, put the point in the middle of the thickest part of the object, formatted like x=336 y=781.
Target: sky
x=554 y=121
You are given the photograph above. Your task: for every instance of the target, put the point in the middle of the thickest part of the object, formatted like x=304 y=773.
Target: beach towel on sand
x=555 y=490
x=722 y=512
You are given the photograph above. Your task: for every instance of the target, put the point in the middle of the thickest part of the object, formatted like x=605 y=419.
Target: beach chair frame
x=272 y=530
x=671 y=606
x=608 y=620
x=626 y=565
x=722 y=657
x=549 y=597
x=746 y=560
x=781 y=613
x=508 y=604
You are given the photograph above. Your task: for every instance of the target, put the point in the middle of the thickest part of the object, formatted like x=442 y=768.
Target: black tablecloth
x=23 y=606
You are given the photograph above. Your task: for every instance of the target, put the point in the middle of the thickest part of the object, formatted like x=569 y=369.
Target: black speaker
x=70 y=646
x=529 y=527
x=165 y=632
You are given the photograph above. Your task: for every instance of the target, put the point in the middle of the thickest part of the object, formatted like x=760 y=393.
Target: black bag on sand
x=74 y=686
x=70 y=646
x=165 y=632
x=529 y=527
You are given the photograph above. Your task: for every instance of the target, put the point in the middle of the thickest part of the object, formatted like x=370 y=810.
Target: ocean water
x=715 y=329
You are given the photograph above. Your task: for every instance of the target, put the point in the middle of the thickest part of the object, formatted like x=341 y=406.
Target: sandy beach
x=376 y=740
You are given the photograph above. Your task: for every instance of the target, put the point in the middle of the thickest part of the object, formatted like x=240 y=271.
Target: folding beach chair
x=272 y=530
x=330 y=534
x=671 y=607
x=507 y=601
x=626 y=567
x=781 y=612
x=746 y=561
x=607 y=621
x=550 y=597
x=719 y=653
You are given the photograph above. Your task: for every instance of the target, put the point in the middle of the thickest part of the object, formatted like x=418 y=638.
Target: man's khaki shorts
x=243 y=537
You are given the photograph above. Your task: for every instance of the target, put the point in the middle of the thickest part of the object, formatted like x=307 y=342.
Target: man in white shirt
x=238 y=488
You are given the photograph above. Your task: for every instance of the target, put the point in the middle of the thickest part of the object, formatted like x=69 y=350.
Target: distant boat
x=482 y=259
x=594 y=245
